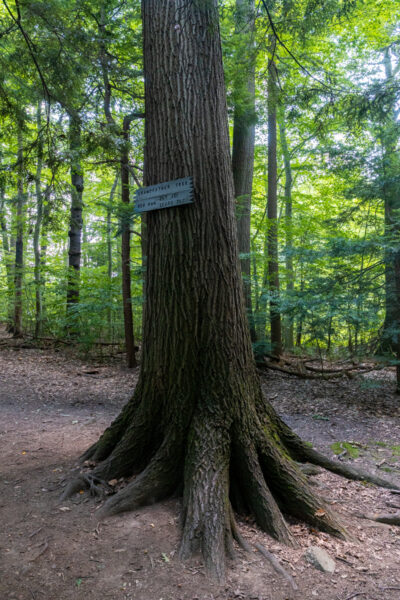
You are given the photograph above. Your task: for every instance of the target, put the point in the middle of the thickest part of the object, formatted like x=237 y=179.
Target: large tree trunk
x=19 y=239
x=75 y=221
x=197 y=421
x=390 y=165
x=243 y=141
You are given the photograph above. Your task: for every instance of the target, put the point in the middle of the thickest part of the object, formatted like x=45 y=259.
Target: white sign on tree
x=164 y=195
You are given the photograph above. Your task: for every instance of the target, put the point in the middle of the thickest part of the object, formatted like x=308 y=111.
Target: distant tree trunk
x=288 y=324
x=243 y=141
x=38 y=225
x=126 y=253
x=272 y=209
x=197 y=421
x=7 y=257
x=125 y=195
x=300 y=320
x=75 y=222
x=109 y=249
x=19 y=238
x=85 y=255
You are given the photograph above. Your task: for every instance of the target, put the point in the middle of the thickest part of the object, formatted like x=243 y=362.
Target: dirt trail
x=52 y=407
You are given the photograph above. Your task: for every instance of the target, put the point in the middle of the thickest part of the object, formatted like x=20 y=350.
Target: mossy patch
x=339 y=447
x=396 y=450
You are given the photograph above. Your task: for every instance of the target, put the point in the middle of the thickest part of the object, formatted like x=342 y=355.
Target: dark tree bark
x=288 y=325
x=243 y=141
x=197 y=421
x=109 y=250
x=125 y=195
x=272 y=209
x=389 y=138
x=38 y=226
x=75 y=222
x=126 y=252
x=19 y=239
x=7 y=256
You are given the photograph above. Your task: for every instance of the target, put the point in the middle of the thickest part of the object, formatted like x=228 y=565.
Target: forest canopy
x=71 y=95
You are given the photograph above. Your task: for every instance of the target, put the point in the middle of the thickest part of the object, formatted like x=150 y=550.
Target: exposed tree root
x=311 y=372
x=259 y=498
x=276 y=565
x=84 y=481
x=157 y=481
x=248 y=462
x=388 y=519
x=301 y=452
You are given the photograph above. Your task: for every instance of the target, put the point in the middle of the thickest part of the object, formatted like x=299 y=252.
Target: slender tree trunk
x=7 y=257
x=288 y=326
x=197 y=421
x=109 y=251
x=272 y=210
x=125 y=197
x=126 y=253
x=75 y=222
x=19 y=239
x=38 y=225
x=243 y=141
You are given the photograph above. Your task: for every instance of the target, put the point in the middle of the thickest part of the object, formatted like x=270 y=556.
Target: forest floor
x=53 y=406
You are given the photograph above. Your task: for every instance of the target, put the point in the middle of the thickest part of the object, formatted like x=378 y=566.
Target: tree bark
x=38 y=225
x=243 y=141
x=19 y=239
x=109 y=251
x=7 y=257
x=197 y=421
x=75 y=223
x=389 y=137
x=288 y=324
x=126 y=252
x=272 y=209
x=125 y=196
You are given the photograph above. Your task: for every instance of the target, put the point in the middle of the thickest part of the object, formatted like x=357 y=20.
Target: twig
x=355 y=594
x=46 y=545
x=276 y=565
x=35 y=532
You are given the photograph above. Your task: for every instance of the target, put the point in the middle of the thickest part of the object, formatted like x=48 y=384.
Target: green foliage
x=340 y=447
x=338 y=103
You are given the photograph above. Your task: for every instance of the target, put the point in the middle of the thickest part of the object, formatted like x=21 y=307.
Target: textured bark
x=389 y=342
x=37 y=229
x=272 y=210
x=19 y=239
x=243 y=141
x=75 y=222
x=126 y=253
x=197 y=422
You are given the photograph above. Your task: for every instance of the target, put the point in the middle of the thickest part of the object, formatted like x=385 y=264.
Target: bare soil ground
x=53 y=407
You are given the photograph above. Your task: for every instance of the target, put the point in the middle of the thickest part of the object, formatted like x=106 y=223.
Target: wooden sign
x=164 y=195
